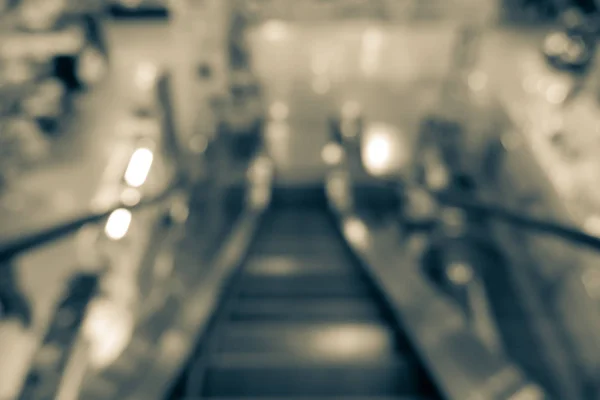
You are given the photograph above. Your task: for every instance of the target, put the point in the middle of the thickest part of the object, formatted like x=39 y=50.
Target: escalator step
x=328 y=342
x=271 y=265
x=255 y=376
x=291 y=245
x=303 y=291
x=303 y=224
x=304 y=286
x=332 y=310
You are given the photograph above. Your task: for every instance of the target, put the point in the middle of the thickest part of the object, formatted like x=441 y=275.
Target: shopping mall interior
x=303 y=200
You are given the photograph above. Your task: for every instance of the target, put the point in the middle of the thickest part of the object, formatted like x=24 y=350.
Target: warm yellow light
x=332 y=154
x=118 y=224
x=377 y=152
x=139 y=167
x=356 y=232
x=352 y=340
x=385 y=150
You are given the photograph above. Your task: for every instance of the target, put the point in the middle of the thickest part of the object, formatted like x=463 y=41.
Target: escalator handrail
x=46 y=235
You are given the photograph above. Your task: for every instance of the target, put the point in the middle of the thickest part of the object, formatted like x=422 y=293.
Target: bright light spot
x=118 y=224
x=261 y=170
x=109 y=329
x=321 y=85
x=338 y=189
x=131 y=197
x=332 y=154
x=275 y=31
x=356 y=231
x=478 y=81
x=279 y=111
x=592 y=225
x=280 y=266
x=91 y=66
x=146 y=75
x=556 y=93
x=460 y=273
x=377 y=152
x=555 y=44
x=437 y=178
x=352 y=340
x=371 y=49
x=139 y=167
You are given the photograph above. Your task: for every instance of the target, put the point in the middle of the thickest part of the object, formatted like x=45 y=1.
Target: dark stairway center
x=302 y=320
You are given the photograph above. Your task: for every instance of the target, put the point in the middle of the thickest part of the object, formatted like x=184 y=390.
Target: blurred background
x=299 y=199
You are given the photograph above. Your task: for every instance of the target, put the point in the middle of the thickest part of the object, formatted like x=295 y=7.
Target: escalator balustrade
x=52 y=356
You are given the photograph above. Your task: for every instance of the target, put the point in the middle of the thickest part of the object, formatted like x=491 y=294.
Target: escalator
x=300 y=319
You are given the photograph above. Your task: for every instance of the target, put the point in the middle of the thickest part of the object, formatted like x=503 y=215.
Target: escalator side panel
x=328 y=341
